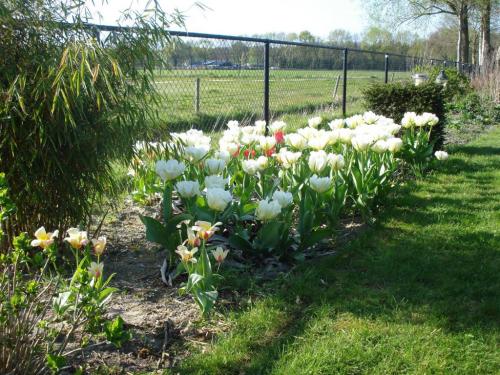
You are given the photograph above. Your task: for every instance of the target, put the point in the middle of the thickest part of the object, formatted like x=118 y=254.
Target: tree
x=342 y=38
x=408 y=11
x=306 y=37
x=485 y=46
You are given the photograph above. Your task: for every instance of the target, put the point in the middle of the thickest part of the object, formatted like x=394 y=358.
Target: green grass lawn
x=238 y=94
x=419 y=293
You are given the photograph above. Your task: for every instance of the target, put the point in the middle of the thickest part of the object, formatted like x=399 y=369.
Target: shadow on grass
x=475 y=150
x=432 y=258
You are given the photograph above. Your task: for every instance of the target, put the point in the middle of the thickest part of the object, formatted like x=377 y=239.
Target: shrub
x=70 y=106
x=474 y=108
x=7 y=208
x=394 y=99
x=458 y=83
x=488 y=83
x=42 y=306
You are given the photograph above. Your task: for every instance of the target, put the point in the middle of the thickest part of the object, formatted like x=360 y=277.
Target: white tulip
x=215 y=182
x=380 y=146
x=169 y=170
x=361 y=142
x=248 y=139
x=426 y=119
x=332 y=136
x=375 y=132
x=277 y=126
x=250 y=166
x=262 y=163
x=218 y=199
x=188 y=189
x=231 y=136
x=393 y=129
x=296 y=140
x=441 y=155
x=345 y=135
x=308 y=133
x=431 y=118
x=248 y=130
x=382 y=120
x=267 y=143
x=260 y=127
x=215 y=166
x=229 y=147
x=223 y=155
x=394 y=144
x=139 y=146
x=314 y=122
x=192 y=138
x=284 y=198
x=195 y=154
x=317 y=161
x=409 y=119
x=420 y=121
x=233 y=124
x=336 y=124
x=288 y=158
x=336 y=161
x=267 y=210
x=320 y=184
x=196 y=138
x=354 y=121
x=370 y=117
x=320 y=141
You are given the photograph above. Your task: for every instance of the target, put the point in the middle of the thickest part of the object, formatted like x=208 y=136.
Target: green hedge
x=394 y=99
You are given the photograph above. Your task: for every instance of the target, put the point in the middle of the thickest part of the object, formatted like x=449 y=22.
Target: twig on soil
x=319 y=255
x=197 y=342
x=85 y=348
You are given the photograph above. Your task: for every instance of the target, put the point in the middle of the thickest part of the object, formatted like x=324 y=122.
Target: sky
x=248 y=17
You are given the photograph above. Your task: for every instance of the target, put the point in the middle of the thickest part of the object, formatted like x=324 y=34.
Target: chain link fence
x=210 y=79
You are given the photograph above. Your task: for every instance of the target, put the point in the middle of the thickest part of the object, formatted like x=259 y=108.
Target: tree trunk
x=459 y=42
x=463 y=50
x=475 y=48
x=485 y=49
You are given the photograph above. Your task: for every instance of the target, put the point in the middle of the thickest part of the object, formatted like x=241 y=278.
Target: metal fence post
x=386 y=68
x=344 y=86
x=197 y=95
x=97 y=34
x=266 y=85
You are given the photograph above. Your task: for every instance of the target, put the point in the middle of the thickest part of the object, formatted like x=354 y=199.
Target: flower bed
x=273 y=195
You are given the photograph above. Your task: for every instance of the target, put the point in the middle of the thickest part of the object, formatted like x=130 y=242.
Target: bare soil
x=165 y=326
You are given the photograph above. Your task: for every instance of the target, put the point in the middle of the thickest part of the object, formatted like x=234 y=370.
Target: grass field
x=419 y=293
x=238 y=94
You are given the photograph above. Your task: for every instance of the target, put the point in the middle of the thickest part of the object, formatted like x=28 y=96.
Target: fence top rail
x=115 y=28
